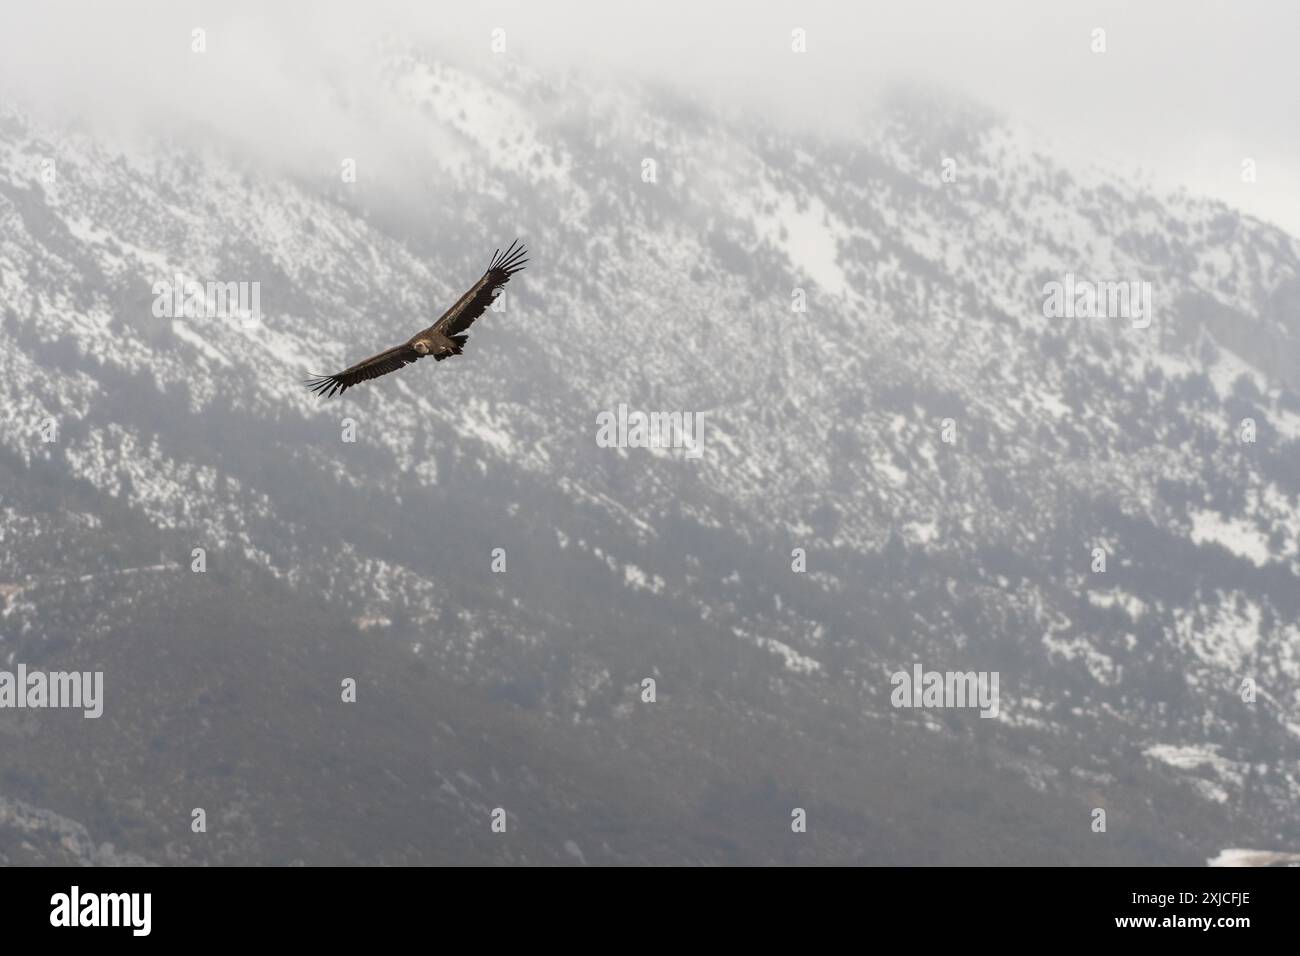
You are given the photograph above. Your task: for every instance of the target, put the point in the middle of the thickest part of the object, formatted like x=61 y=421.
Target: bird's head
x=422 y=348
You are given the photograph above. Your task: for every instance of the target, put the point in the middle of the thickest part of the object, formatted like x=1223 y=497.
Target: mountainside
x=946 y=455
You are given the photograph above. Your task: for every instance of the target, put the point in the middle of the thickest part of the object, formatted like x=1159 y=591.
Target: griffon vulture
x=443 y=339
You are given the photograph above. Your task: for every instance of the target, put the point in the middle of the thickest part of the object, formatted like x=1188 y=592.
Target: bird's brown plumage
x=443 y=339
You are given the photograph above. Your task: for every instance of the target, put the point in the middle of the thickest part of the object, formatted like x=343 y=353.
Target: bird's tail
x=460 y=341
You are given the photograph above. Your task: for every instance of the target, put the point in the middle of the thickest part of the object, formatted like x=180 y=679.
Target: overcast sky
x=1187 y=88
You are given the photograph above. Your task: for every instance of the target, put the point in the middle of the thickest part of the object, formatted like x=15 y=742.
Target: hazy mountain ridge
x=823 y=433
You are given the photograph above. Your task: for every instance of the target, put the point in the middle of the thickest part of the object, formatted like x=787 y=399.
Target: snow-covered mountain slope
x=947 y=456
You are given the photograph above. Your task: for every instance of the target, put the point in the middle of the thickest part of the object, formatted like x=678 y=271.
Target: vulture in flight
x=443 y=339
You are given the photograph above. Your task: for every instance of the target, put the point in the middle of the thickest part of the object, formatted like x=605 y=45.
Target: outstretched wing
x=471 y=305
x=373 y=367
